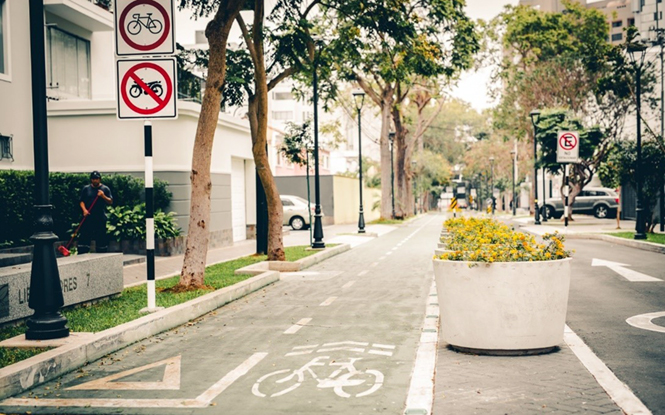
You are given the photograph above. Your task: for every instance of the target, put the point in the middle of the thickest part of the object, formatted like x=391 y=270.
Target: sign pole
x=565 y=209
x=149 y=216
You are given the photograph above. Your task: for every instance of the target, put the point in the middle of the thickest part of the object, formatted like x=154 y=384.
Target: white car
x=296 y=213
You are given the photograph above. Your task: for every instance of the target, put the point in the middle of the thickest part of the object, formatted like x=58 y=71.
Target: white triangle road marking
x=628 y=274
x=170 y=381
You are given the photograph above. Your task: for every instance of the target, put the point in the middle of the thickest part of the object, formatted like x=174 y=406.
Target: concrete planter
x=504 y=307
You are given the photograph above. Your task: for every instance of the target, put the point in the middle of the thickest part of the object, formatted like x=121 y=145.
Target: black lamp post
x=492 y=183
x=544 y=212
x=513 y=155
x=415 y=190
x=391 y=138
x=45 y=290
x=535 y=115
x=359 y=99
x=318 y=226
x=479 y=197
x=637 y=52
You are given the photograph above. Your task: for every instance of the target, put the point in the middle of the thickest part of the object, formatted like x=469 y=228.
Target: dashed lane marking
x=361 y=273
x=328 y=302
x=348 y=284
x=294 y=329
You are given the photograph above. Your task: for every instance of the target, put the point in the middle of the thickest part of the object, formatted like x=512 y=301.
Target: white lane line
x=382 y=258
x=380 y=352
x=384 y=346
x=361 y=273
x=328 y=302
x=618 y=391
x=345 y=342
x=373 y=264
x=348 y=285
x=202 y=401
x=421 y=390
x=389 y=253
x=314 y=346
x=294 y=329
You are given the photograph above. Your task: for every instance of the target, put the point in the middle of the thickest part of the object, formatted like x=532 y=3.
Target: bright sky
x=472 y=87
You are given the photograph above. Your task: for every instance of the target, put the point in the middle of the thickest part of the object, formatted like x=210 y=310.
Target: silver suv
x=600 y=201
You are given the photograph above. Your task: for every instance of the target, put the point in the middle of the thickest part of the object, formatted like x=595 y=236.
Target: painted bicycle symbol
x=346 y=376
x=135 y=90
x=135 y=26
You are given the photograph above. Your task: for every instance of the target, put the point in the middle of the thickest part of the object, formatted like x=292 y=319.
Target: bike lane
x=338 y=338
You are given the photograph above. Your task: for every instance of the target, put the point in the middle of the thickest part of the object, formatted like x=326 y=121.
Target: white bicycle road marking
x=643 y=321
x=335 y=381
x=357 y=347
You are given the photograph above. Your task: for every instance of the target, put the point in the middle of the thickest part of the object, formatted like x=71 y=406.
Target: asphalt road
x=340 y=338
x=600 y=302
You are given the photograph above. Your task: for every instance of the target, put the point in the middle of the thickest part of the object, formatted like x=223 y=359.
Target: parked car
x=296 y=212
x=600 y=201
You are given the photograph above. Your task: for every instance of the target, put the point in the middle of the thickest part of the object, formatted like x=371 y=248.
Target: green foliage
x=297 y=142
x=17 y=200
x=619 y=168
x=127 y=223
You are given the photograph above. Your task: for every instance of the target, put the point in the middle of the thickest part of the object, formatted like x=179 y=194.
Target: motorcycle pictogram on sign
x=146 y=89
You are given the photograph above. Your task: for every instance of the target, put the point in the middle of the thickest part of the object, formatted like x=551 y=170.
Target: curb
x=51 y=364
x=302 y=263
x=645 y=246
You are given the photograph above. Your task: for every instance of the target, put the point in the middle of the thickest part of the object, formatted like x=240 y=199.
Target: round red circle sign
x=165 y=30
x=568 y=141
x=146 y=89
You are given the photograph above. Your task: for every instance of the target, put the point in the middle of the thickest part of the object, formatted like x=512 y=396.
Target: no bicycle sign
x=146 y=89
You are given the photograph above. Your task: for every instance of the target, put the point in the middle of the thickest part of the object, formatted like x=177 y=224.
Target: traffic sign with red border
x=146 y=89
x=568 y=147
x=144 y=27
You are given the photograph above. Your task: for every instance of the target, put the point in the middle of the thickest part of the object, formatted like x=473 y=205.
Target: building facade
x=84 y=133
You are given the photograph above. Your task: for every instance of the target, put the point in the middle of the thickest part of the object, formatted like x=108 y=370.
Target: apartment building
x=84 y=132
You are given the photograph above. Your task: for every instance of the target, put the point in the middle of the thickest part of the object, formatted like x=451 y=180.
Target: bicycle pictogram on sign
x=144 y=27
x=146 y=89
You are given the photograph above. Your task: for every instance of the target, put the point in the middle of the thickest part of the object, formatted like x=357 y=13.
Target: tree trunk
x=196 y=249
x=403 y=198
x=386 y=200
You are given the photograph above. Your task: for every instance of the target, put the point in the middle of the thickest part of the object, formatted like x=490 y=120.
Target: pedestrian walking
x=93 y=200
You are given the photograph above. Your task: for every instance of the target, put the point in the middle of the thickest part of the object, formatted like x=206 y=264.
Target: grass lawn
x=386 y=222
x=658 y=238
x=113 y=312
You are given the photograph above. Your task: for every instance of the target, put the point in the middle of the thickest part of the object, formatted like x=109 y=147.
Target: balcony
x=93 y=15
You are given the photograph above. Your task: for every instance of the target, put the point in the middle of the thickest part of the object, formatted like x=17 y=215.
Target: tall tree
x=217 y=31
x=387 y=46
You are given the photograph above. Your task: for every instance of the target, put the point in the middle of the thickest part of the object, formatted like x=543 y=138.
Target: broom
x=64 y=250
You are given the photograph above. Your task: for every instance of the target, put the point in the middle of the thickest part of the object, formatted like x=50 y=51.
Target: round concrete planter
x=503 y=307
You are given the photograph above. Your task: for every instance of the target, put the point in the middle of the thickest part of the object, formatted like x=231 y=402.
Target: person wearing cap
x=94 y=227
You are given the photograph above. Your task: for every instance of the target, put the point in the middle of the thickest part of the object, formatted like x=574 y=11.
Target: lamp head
x=491 y=159
x=359 y=99
x=391 y=136
x=535 y=116
x=513 y=152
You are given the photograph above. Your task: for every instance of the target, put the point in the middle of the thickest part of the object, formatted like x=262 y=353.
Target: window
x=68 y=64
x=617 y=23
x=6 y=147
x=283 y=96
x=630 y=21
x=287 y=202
x=3 y=38
x=617 y=36
x=282 y=115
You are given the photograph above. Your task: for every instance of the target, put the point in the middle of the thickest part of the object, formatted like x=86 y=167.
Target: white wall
x=15 y=89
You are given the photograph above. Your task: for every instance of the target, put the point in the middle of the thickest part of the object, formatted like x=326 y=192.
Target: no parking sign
x=568 y=147
x=146 y=88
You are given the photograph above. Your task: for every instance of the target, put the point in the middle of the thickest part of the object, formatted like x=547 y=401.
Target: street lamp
x=637 y=52
x=513 y=155
x=359 y=99
x=391 y=138
x=479 y=197
x=45 y=291
x=492 y=183
x=535 y=115
x=318 y=226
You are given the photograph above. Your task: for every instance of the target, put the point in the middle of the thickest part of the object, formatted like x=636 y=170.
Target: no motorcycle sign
x=146 y=88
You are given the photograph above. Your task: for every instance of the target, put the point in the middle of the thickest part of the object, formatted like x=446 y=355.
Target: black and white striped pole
x=149 y=218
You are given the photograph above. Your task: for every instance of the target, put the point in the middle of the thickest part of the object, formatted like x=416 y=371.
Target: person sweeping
x=94 y=213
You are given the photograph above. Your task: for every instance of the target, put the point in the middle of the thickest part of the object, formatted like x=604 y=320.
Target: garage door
x=238 y=199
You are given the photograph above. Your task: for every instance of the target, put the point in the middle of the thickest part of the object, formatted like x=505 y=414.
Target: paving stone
x=554 y=383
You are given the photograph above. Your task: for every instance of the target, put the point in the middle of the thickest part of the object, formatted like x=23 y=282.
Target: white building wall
x=15 y=88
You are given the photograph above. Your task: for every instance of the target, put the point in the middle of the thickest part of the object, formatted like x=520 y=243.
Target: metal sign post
x=146 y=89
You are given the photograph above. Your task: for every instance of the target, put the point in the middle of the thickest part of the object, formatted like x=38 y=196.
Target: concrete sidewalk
x=165 y=267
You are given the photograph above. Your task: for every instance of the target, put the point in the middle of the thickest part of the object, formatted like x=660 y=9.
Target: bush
x=17 y=200
x=125 y=223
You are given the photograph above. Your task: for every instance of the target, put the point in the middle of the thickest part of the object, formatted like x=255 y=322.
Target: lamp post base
x=361 y=221
x=46 y=326
x=318 y=230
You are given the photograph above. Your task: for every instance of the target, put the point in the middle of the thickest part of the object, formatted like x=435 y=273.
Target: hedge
x=17 y=200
